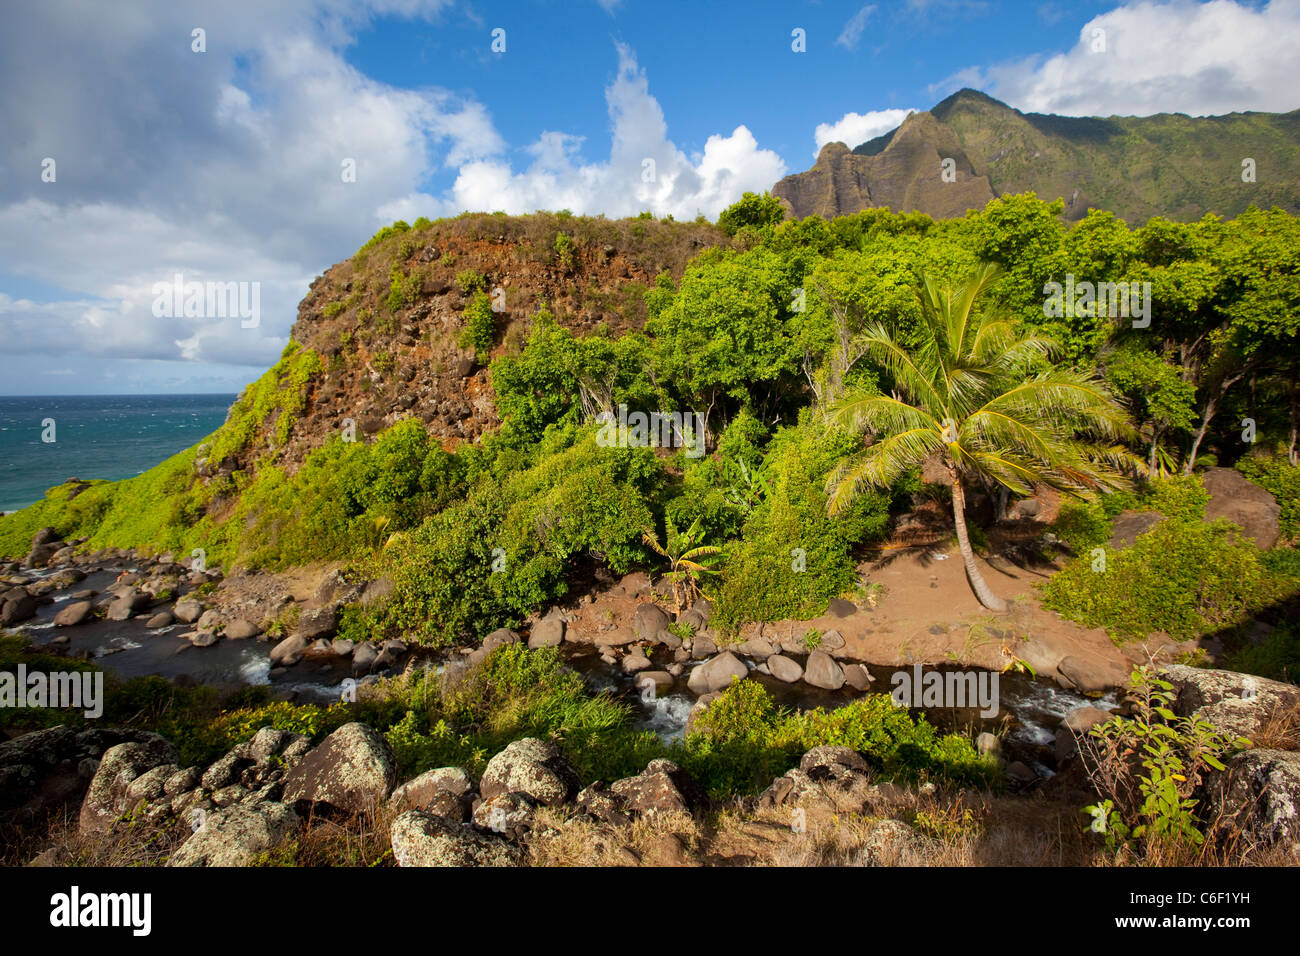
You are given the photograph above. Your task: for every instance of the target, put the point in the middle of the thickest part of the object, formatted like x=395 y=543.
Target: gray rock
x=106 y=798
x=532 y=767
x=422 y=839
x=648 y=620
x=716 y=674
x=823 y=671
x=289 y=651
x=236 y=835
x=1259 y=795
x=352 y=771
x=1244 y=503
x=784 y=669
x=240 y=629
x=188 y=610
x=1237 y=704
x=75 y=613
x=548 y=632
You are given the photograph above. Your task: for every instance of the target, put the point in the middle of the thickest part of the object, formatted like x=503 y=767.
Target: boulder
x=506 y=814
x=648 y=620
x=784 y=669
x=1242 y=502
x=75 y=613
x=18 y=608
x=289 y=651
x=1129 y=524
x=548 y=632
x=500 y=636
x=188 y=610
x=106 y=798
x=161 y=619
x=532 y=767
x=316 y=624
x=823 y=671
x=716 y=673
x=1258 y=795
x=1093 y=674
x=352 y=771
x=422 y=839
x=1236 y=704
x=634 y=663
x=857 y=676
x=51 y=768
x=616 y=637
x=236 y=835
x=444 y=792
x=661 y=788
x=240 y=629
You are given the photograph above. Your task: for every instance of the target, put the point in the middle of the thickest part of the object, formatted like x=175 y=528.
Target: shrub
x=1081 y=524
x=1282 y=480
x=1182 y=577
x=479 y=325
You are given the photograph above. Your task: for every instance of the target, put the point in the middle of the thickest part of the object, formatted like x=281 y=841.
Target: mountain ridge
x=1167 y=164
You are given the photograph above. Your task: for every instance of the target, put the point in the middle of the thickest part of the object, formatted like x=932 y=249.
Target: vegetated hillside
x=1170 y=165
x=383 y=335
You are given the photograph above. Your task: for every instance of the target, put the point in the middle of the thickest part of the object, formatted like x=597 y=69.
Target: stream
x=1029 y=712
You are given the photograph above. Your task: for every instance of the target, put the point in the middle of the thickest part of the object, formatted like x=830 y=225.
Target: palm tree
x=689 y=559
x=970 y=394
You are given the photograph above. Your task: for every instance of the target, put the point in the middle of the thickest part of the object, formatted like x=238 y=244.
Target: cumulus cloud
x=645 y=169
x=854 y=129
x=1197 y=58
x=225 y=166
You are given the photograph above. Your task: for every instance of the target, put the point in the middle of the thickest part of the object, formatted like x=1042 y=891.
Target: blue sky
x=223 y=165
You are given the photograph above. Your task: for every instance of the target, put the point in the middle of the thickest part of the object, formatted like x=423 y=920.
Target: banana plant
x=689 y=559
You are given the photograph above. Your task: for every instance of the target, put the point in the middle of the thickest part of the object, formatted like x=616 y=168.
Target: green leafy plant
x=690 y=560
x=1148 y=766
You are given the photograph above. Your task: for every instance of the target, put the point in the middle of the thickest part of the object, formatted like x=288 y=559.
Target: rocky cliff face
x=1171 y=165
x=906 y=175
x=384 y=356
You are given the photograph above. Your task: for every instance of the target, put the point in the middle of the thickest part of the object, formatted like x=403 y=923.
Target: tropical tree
x=975 y=393
x=689 y=559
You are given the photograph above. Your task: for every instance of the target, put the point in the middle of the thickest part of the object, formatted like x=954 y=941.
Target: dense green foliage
x=1183 y=577
x=760 y=336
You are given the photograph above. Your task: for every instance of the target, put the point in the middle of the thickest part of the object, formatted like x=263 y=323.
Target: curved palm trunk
x=977 y=582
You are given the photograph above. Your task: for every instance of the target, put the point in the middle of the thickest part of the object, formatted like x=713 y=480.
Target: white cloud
x=225 y=166
x=852 y=31
x=1196 y=58
x=645 y=169
x=854 y=129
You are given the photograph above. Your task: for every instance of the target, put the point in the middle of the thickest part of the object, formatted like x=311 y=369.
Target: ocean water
x=96 y=436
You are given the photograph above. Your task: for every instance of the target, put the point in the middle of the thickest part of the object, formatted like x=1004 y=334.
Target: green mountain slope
x=1171 y=165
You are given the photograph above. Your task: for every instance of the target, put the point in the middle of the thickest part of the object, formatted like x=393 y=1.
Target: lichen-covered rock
x=234 y=836
x=1259 y=794
x=444 y=792
x=53 y=767
x=532 y=767
x=661 y=788
x=107 y=797
x=352 y=771
x=422 y=839
x=1238 y=704
x=506 y=814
